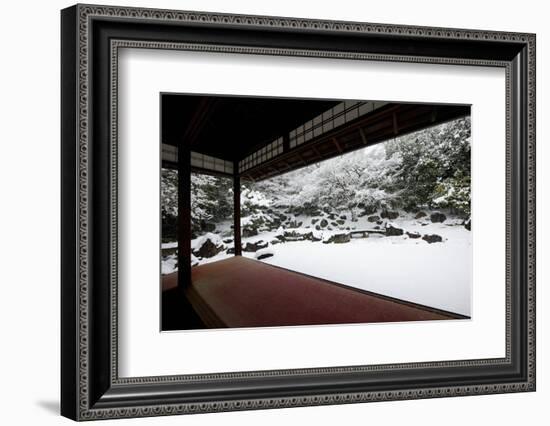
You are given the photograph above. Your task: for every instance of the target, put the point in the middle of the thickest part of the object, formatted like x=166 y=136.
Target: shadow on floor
x=177 y=312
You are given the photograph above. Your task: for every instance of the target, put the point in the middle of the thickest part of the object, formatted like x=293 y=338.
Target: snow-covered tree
x=426 y=169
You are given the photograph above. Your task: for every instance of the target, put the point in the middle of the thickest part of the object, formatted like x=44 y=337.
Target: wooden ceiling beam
x=199 y=120
x=337 y=144
x=395 y=127
x=363 y=136
x=380 y=126
x=317 y=153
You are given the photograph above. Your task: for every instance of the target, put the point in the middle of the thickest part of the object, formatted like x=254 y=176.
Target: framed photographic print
x=263 y=212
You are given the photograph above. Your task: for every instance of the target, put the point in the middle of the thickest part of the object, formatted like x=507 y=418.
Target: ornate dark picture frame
x=91 y=387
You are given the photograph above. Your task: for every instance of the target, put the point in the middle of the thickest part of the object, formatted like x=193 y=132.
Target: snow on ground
x=437 y=275
x=169 y=264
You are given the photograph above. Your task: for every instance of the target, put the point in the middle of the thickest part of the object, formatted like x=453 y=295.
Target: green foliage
x=435 y=164
x=454 y=193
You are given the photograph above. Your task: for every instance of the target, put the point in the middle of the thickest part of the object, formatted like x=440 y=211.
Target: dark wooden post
x=237 y=209
x=184 y=216
x=286 y=142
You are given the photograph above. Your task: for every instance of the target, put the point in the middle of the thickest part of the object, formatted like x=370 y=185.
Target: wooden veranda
x=241 y=292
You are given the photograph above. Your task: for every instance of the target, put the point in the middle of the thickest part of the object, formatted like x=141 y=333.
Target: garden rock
x=208 y=249
x=433 y=238
x=338 y=239
x=253 y=247
x=438 y=217
x=388 y=214
x=392 y=231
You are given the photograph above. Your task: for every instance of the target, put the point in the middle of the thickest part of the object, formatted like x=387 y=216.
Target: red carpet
x=240 y=292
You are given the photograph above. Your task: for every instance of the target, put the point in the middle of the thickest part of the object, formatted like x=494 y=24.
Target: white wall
x=29 y=224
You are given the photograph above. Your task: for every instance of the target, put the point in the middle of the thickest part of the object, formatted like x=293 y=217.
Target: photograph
x=300 y=212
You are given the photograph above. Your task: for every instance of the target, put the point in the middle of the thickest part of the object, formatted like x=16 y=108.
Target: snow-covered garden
x=393 y=218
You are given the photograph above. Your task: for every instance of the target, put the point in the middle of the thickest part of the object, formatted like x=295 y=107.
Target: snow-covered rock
x=432 y=238
x=337 y=238
x=437 y=217
x=255 y=246
x=301 y=234
x=392 y=230
x=264 y=253
x=208 y=245
x=388 y=214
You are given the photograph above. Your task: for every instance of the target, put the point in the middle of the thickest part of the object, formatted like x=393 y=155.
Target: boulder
x=332 y=216
x=249 y=232
x=388 y=214
x=323 y=223
x=437 y=217
x=282 y=217
x=273 y=242
x=294 y=224
x=367 y=210
x=227 y=240
x=413 y=234
x=373 y=218
x=255 y=246
x=340 y=221
x=338 y=238
x=300 y=236
x=317 y=227
x=294 y=236
x=420 y=215
x=314 y=220
x=208 y=249
x=343 y=216
x=230 y=250
x=264 y=255
x=468 y=224
x=432 y=238
x=392 y=231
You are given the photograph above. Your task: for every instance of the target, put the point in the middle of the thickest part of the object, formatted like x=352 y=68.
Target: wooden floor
x=241 y=292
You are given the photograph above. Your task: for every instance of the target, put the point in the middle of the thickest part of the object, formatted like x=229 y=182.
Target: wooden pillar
x=237 y=209
x=184 y=216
